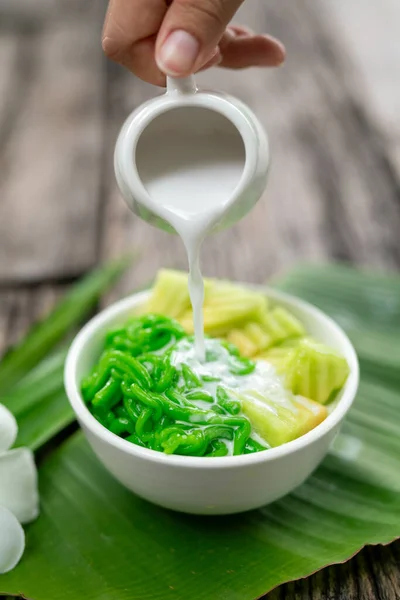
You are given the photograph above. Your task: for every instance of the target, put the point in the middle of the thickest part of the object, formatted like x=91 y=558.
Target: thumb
x=190 y=33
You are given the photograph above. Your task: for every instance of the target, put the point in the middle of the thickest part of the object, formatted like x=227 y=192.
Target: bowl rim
x=88 y=420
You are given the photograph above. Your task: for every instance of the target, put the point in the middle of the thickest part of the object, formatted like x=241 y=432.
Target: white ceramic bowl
x=199 y=485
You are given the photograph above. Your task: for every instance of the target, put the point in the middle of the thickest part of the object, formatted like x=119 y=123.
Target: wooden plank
x=357 y=193
x=369 y=40
x=5 y=308
x=20 y=307
x=19 y=315
x=50 y=157
x=372 y=575
x=8 y=54
x=369 y=35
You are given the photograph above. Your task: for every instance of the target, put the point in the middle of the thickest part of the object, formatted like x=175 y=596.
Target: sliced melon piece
x=256 y=332
x=220 y=293
x=279 y=356
x=251 y=339
x=281 y=325
x=310 y=413
x=170 y=294
x=242 y=341
x=309 y=368
x=278 y=424
x=226 y=306
x=316 y=371
x=274 y=423
x=271 y=327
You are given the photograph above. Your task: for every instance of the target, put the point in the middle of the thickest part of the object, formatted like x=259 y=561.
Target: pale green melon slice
x=170 y=294
x=278 y=424
x=309 y=368
x=226 y=306
x=271 y=327
x=281 y=325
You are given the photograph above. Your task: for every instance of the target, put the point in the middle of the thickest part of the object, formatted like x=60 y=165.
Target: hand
x=154 y=38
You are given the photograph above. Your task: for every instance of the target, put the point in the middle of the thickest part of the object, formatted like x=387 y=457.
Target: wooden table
x=332 y=113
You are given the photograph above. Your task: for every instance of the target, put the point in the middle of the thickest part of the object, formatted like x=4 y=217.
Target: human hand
x=154 y=38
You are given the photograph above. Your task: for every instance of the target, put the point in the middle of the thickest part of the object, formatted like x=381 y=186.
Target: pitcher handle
x=184 y=85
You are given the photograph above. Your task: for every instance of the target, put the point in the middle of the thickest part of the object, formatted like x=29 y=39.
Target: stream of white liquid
x=190 y=172
x=191 y=179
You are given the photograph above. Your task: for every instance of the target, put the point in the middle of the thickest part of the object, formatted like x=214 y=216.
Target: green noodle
x=137 y=392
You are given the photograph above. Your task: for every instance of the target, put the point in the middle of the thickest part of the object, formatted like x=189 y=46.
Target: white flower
x=19 y=497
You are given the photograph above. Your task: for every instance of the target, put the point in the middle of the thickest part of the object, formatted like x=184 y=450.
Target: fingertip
x=240 y=30
x=277 y=48
x=214 y=61
x=253 y=51
x=140 y=61
x=111 y=47
x=178 y=53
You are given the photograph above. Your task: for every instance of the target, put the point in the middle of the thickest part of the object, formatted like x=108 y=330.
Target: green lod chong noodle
x=263 y=381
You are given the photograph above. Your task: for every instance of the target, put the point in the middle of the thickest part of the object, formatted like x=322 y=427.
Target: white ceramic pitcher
x=183 y=105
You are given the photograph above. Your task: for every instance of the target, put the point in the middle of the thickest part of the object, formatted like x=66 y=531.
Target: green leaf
x=45 y=419
x=43 y=336
x=366 y=306
x=45 y=379
x=39 y=402
x=95 y=540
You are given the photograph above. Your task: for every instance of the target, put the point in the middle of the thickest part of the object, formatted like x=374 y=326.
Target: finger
x=140 y=60
x=189 y=33
x=240 y=30
x=129 y=36
x=241 y=51
x=214 y=60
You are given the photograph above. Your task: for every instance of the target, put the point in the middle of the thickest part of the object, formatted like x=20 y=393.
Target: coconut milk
x=190 y=174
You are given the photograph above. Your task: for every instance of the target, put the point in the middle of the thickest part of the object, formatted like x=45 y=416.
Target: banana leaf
x=32 y=386
x=44 y=379
x=39 y=402
x=76 y=304
x=96 y=540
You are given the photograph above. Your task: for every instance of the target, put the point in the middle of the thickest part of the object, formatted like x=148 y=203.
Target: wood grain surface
x=332 y=115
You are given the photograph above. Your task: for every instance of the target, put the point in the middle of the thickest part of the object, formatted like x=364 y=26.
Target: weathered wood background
x=332 y=113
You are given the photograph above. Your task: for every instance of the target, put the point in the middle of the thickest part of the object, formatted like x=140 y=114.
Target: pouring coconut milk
x=192 y=162
x=190 y=170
